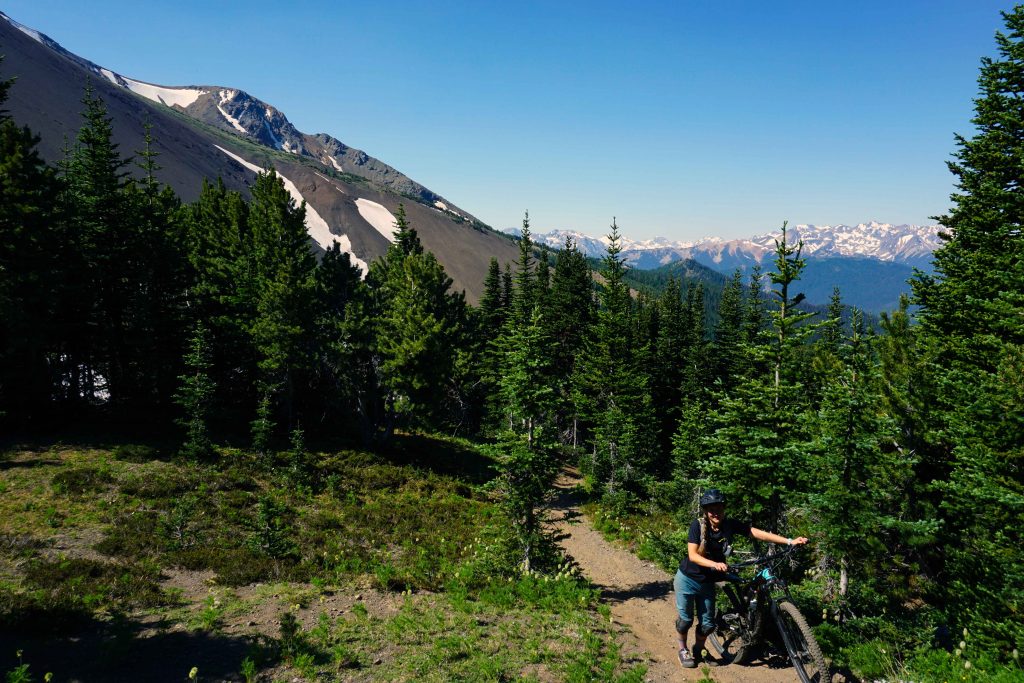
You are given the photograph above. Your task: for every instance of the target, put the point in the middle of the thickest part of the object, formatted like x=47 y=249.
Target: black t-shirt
x=714 y=548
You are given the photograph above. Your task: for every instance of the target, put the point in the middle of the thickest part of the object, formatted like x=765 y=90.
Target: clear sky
x=681 y=118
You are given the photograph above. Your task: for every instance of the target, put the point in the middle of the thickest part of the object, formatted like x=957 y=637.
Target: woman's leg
x=684 y=608
x=706 y=615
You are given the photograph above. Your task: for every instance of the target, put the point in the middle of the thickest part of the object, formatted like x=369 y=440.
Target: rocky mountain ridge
x=208 y=132
x=236 y=111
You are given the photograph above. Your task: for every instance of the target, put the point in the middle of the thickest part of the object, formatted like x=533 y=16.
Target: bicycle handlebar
x=765 y=559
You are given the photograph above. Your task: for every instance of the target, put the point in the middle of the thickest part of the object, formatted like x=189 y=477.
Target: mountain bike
x=754 y=605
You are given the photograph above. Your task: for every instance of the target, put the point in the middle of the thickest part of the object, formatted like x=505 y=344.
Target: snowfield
x=315 y=225
x=182 y=97
x=378 y=216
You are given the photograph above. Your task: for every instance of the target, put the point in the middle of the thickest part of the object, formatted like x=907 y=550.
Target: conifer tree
x=30 y=284
x=492 y=314
x=284 y=286
x=972 y=309
x=341 y=298
x=195 y=396
x=612 y=392
x=569 y=317
x=223 y=293
x=416 y=321
x=524 y=296
x=729 y=336
x=759 y=433
x=98 y=225
x=862 y=493
x=156 y=306
x=667 y=369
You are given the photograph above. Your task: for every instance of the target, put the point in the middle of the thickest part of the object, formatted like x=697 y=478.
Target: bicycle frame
x=752 y=601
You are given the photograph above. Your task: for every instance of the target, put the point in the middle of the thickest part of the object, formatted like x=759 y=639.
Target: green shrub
x=81 y=480
x=133 y=534
x=235 y=566
x=135 y=453
x=80 y=582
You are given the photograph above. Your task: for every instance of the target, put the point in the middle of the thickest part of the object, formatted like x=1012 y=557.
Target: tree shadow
x=440 y=456
x=128 y=650
x=651 y=591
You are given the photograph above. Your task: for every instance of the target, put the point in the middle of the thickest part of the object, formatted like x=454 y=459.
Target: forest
x=896 y=447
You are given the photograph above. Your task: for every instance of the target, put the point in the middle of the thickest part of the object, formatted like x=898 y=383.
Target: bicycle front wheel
x=800 y=644
x=734 y=641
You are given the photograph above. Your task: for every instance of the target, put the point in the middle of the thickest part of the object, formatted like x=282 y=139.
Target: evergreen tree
x=195 y=397
x=667 y=369
x=416 y=321
x=861 y=495
x=759 y=433
x=340 y=366
x=569 y=316
x=30 y=279
x=285 y=287
x=94 y=322
x=612 y=392
x=156 y=305
x=524 y=296
x=972 y=308
x=729 y=336
x=223 y=293
x=492 y=312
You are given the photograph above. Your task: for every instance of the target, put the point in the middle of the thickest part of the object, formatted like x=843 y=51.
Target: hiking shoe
x=705 y=658
x=686 y=659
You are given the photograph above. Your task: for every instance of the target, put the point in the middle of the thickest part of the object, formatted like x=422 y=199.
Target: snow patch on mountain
x=182 y=97
x=315 y=224
x=30 y=32
x=225 y=97
x=379 y=217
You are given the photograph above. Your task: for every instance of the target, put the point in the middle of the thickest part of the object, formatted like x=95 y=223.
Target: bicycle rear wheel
x=800 y=644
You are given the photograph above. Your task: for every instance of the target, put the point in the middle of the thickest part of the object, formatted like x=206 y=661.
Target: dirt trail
x=641 y=599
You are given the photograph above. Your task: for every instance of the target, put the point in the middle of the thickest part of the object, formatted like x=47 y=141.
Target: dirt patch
x=641 y=599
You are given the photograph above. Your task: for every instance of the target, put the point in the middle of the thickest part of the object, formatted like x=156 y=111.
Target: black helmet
x=712 y=496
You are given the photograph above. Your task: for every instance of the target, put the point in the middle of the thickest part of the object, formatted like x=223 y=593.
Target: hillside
x=119 y=562
x=354 y=195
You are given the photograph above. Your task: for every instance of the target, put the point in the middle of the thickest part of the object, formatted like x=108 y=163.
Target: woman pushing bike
x=707 y=544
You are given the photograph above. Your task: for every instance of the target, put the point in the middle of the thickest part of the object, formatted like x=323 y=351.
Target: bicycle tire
x=731 y=645
x=800 y=644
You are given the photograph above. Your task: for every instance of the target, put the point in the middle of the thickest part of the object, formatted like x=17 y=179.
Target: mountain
x=869 y=262
x=205 y=132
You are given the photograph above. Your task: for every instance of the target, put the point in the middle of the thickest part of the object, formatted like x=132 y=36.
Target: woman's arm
x=762 y=535
x=696 y=558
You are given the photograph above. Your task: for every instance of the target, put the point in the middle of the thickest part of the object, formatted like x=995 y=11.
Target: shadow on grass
x=126 y=651
x=652 y=591
x=440 y=456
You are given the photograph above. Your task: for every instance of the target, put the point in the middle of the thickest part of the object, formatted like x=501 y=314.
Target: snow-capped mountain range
x=908 y=244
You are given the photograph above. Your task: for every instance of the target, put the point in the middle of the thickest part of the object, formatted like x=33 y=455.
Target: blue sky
x=682 y=119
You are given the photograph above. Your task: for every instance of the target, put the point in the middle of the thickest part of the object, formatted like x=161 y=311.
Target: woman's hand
x=720 y=566
x=798 y=541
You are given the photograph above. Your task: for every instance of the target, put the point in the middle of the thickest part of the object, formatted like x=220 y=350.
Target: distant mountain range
x=869 y=262
x=206 y=131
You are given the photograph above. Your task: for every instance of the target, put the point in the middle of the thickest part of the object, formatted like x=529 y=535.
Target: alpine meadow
x=243 y=439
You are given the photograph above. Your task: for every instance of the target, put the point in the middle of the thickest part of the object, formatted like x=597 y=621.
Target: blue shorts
x=690 y=596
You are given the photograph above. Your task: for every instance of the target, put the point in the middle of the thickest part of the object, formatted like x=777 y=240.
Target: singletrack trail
x=641 y=599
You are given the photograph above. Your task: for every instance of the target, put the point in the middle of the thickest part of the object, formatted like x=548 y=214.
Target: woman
x=703 y=566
